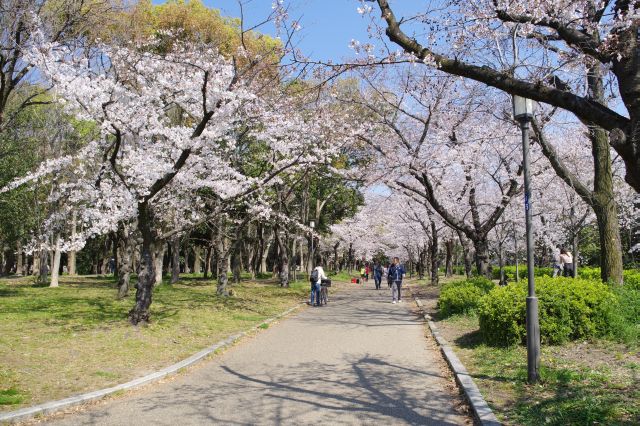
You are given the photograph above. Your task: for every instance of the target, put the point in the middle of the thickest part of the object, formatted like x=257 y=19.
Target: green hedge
x=462 y=297
x=631 y=276
x=626 y=323
x=569 y=309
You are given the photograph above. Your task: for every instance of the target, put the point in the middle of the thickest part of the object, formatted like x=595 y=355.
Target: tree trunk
x=576 y=254
x=236 y=267
x=435 y=258
x=71 y=256
x=300 y=247
x=610 y=246
x=468 y=254
x=43 y=265
x=125 y=247
x=197 y=251
x=422 y=261
x=284 y=258
x=481 y=246
x=158 y=258
x=55 y=267
x=222 y=257
x=517 y=254
x=104 y=266
x=35 y=270
x=251 y=259
x=175 y=259
x=265 y=255
x=449 y=245
x=19 y=259
x=207 y=261
x=147 y=275
x=503 y=279
x=187 y=270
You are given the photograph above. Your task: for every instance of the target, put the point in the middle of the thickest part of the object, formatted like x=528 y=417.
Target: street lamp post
x=523 y=112
x=312 y=225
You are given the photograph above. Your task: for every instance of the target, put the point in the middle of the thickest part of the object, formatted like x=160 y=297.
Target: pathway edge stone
x=51 y=407
x=481 y=410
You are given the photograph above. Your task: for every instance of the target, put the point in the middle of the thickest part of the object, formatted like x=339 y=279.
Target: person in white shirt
x=566 y=259
x=317 y=275
x=557 y=263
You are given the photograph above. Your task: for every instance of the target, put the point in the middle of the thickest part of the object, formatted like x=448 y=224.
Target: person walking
x=566 y=260
x=388 y=275
x=397 y=273
x=557 y=263
x=377 y=275
x=316 y=277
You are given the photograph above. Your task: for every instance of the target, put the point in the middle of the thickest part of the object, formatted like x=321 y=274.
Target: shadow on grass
x=470 y=340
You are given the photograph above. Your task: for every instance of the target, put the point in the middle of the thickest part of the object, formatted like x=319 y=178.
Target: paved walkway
x=359 y=360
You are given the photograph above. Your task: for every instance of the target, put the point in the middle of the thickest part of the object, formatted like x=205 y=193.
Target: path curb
x=480 y=408
x=54 y=406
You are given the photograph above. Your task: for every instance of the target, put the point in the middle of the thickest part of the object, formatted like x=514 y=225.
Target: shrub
x=632 y=279
x=568 y=309
x=626 y=322
x=631 y=276
x=589 y=273
x=462 y=297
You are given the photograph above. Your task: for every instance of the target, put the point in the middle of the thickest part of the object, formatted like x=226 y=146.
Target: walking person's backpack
x=314 y=276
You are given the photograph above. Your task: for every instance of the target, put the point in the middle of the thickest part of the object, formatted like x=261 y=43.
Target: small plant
x=10 y=396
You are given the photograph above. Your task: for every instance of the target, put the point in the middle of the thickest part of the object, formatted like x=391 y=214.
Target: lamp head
x=312 y=224
x=522 y=108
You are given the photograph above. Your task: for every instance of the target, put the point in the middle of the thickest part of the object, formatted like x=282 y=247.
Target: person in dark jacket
x=377 y=275
x=396 y=274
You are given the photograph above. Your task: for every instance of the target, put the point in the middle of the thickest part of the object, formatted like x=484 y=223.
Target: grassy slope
x=59 y=342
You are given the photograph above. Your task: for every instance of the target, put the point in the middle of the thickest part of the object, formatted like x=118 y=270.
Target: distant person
x=566 y=259
x=377 y=275
x=363 y=273
x=316 y=277
x=388 y=275
x=557 y=263
x=367 y=272
x=397 y=274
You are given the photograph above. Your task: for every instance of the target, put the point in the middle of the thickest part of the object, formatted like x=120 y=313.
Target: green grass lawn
x=56 y=342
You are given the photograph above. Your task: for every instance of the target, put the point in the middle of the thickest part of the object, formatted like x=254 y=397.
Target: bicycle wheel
x=323 y=296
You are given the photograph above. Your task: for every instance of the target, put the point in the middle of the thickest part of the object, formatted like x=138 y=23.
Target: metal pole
x=533 y=326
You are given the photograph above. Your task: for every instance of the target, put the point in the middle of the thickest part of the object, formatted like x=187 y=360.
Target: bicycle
x=324 y=291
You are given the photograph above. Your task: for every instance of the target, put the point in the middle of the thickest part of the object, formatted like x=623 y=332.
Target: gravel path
x=359 y=360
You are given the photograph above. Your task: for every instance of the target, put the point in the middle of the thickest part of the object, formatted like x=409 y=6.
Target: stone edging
x=54 y=406
x=481 y=410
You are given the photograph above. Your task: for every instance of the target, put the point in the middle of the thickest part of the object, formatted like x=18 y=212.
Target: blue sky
x=327 y=25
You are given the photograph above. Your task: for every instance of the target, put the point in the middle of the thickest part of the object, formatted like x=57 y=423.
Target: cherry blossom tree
x=557 y=52
x=440 y=146
x=171 y=124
